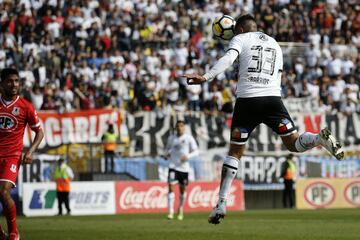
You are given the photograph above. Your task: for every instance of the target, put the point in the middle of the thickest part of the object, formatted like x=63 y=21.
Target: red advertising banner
x=75 y=127
x=143 y=197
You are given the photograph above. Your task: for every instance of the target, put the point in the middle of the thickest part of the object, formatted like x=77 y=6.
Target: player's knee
x=290 y=145
x=236 y=151
x=292 y=148
x=235 y=155
x=289 y=142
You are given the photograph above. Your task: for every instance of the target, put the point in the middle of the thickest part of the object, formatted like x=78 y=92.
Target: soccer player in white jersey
x=258 y=101
x=180 y=148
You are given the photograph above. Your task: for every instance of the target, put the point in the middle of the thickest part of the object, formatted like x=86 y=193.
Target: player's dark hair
x=179 y=121
x=246 y=21
x=8 y=71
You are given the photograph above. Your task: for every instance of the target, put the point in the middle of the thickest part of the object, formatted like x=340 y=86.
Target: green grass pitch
x=249 y=225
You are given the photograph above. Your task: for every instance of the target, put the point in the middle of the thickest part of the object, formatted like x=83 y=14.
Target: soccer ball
x=224 y=27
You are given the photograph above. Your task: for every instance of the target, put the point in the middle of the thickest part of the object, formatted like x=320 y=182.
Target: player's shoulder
x=251 y=37
x=262 y=37
x=189 y=136
x=172 y=137
x=22 y=101
x=241 y=37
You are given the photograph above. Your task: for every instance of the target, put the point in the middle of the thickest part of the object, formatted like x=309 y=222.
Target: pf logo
x=352 y=193
x=319 y=194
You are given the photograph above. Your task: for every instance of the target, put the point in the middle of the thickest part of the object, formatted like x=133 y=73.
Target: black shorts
x=250 y=112
x=178 y=177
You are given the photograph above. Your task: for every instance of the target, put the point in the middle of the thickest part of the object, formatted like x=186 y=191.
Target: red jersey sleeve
x=33 y=119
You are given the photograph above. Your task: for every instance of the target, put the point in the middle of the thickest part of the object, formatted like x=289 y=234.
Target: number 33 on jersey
x=260 y=65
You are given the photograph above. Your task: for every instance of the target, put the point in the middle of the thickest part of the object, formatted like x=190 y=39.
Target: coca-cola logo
x=208 y=198
x=154 y=197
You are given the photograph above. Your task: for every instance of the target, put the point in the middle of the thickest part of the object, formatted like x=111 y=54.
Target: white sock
x=171 y=198
x=228 y=173
x=182 y=198
x=307 y=141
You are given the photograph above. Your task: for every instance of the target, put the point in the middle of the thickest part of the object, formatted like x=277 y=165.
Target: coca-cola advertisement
x=142 y=197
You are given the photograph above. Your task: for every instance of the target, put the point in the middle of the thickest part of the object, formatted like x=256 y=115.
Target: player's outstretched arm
x=221 y=65
x=37 y=140
x=193 y=79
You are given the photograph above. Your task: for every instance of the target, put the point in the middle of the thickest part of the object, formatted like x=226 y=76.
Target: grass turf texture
x=249 y=225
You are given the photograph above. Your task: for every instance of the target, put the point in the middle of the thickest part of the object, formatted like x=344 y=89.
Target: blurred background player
x=15 y=114
x=180 y=148
x=258 y=101
x=288 y=174
x=63 y=175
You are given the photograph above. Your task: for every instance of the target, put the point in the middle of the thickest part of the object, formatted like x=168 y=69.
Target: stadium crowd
x=85 y=54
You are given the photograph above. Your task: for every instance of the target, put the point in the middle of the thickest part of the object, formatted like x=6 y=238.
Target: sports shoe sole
x=216 y=219
x=337 y=150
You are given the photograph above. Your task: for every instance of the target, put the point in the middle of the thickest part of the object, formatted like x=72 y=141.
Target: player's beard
x=15 y=92
x=11 y=93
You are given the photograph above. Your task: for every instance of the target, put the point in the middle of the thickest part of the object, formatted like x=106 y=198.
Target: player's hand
x=27 y=159
x=183 y=158
x=193 y=79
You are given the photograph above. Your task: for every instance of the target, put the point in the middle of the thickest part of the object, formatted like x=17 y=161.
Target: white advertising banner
x=86 y=198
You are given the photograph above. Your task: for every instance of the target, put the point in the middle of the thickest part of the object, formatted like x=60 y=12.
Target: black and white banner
x=148 y=131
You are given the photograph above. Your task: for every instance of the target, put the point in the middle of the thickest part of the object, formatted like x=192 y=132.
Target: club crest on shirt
x=16 y=111
x=263 y=37
x=8 y=122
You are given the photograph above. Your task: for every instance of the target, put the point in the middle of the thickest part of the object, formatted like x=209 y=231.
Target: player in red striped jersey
x=15 y=114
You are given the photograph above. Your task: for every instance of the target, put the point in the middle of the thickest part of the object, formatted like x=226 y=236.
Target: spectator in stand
x=354 y=92
x=348 y=104
x=48 y=104
x=334 y=66
x=193 y=96
x=172 y=90
x=347 y=66
x=312 y=55
x=213 y=99
x=37 y=97
x=35 y=34
x=335 y=90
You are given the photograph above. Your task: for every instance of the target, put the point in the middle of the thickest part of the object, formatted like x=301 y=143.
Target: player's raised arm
x=221 y=65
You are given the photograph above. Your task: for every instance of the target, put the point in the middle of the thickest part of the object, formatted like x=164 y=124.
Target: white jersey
x=176 y=147
x=260 y=65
